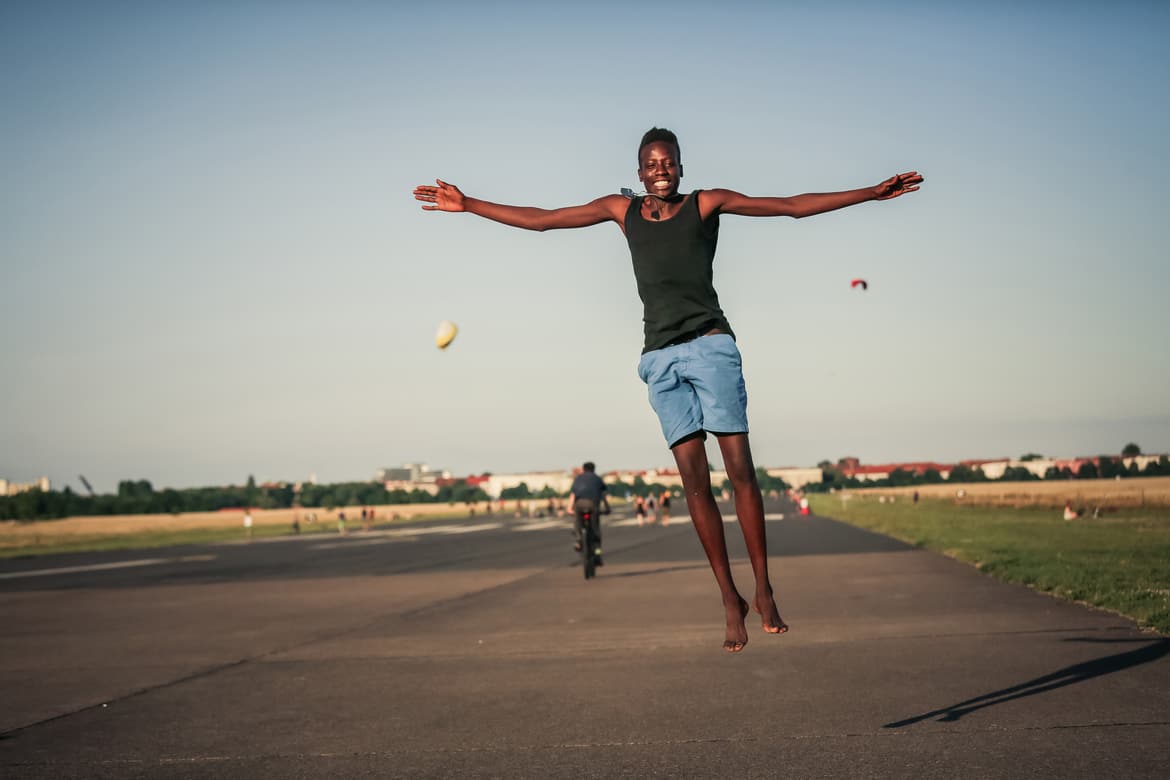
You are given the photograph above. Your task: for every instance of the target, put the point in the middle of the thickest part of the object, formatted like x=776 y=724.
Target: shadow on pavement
x=662 y=570
x=1155 y=649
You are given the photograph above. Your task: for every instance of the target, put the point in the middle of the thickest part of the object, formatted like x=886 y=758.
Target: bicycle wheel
x=588 y=544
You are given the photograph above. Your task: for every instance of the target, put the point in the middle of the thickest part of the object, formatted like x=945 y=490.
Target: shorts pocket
x=642 y=369
x=723 y=345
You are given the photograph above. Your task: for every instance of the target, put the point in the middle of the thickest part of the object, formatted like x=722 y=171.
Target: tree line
x=637 y=487
x=136 y=497
x=139 y=497
x=1107 y=467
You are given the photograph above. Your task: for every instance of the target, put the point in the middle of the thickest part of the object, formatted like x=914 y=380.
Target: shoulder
x=614 y=201
x=716 y=198
x=615 y=207
x=712 y=202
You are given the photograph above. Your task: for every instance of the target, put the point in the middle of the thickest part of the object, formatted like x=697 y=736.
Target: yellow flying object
x=446 y=334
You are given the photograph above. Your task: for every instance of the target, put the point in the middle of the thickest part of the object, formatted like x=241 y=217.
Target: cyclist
x=588 y=495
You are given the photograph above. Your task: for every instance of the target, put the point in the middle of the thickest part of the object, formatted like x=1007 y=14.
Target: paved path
x=485 y=654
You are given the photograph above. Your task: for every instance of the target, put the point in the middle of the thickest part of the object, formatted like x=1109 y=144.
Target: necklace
x=656 y=210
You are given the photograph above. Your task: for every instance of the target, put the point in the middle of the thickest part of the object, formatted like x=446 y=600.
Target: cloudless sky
x=211 y=264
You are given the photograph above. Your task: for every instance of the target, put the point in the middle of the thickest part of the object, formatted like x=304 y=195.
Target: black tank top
x=672 y=264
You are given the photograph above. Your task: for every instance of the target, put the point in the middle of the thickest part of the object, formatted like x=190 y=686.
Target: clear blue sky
x=212 y=265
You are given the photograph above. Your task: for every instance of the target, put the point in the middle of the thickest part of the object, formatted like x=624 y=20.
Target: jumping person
x=690 y=361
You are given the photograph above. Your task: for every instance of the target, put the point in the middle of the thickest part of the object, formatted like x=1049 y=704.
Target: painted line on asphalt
x=15 y=575
x=460 y=529
x=771 y=517
x=409 y=535
x=562 y=523
x=358 y=543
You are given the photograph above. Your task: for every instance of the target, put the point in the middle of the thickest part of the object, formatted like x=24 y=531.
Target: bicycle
x=590 y=544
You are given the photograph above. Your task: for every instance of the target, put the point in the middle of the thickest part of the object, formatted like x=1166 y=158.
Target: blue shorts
x=696 y=386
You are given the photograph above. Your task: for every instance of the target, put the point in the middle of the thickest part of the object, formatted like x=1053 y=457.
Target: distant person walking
x=664 y=507
x=640 y=509
x=248 y=523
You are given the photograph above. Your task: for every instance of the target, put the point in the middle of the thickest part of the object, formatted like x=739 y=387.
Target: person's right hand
x=445 y=197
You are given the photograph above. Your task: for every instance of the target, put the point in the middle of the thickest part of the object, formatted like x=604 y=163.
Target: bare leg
x=749 y=508
x=691 y=457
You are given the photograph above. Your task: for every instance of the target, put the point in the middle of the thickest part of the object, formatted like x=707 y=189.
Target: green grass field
x=1119 y=561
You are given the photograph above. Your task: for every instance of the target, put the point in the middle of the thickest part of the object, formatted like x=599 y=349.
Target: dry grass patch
x=1105 y=494
x=73 y=534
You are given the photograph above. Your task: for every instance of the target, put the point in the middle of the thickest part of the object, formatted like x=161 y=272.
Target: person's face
x=659 y=169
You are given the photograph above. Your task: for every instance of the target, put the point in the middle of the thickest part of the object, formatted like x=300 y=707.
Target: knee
x=699 y=492
x=742 y=479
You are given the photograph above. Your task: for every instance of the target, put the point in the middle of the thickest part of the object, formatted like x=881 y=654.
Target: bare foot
x=770 y=616
x=736 y=632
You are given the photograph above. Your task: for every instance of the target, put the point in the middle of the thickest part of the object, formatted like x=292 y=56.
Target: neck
x=656 y=203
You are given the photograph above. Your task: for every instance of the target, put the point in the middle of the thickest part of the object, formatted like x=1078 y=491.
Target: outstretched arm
x=448 y=197
x=731 y=202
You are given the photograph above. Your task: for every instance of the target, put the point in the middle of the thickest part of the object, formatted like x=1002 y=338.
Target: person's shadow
x=1152 y=650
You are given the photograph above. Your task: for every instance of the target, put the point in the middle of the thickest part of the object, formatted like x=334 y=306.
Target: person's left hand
x=897 y=185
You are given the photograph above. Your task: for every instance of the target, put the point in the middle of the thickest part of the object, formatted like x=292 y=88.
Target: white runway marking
x=540 y=526
x=14 y=575
x=406 y=534
x=771 y=516
x=463 y=529
x=360 y=543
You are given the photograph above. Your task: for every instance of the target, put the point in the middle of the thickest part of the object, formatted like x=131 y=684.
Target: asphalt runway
x=476 y=649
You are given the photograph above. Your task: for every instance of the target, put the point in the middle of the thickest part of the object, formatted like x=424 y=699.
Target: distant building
x=992 y=469
x=1141 y=461
x=412 y=476
x=12 y=488
x=664 y=477
x=430 y=488
x=874 y=473
x=797 y=477
x=411 y=472
x=559 y=481
x=479 y=482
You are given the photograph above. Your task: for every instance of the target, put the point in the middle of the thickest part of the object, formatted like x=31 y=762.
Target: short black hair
x=659 y=134
x=589 y=466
